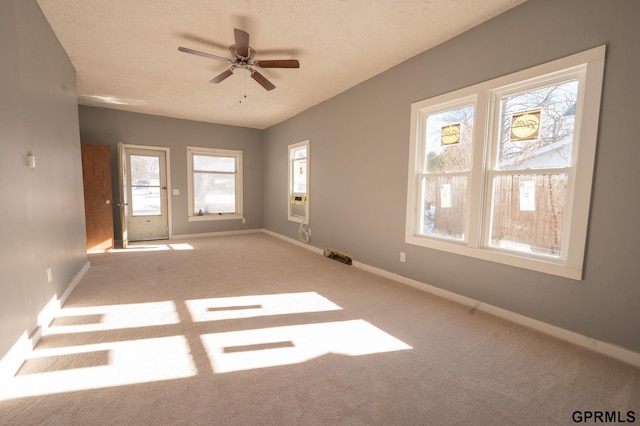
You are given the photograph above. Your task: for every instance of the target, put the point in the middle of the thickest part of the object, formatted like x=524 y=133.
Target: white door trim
x=167 y=151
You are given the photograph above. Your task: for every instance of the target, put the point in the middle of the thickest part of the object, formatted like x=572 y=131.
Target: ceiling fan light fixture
x=242 y=71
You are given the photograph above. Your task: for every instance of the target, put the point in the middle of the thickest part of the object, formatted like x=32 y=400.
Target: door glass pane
x=537 y=127
x=145 y=185
x=528 y=213
x=214 y=193
x=212 y=163
x=444 y=206
x=448 y=140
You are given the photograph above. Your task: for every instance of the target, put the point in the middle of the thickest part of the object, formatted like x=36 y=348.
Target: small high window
x=298 y=203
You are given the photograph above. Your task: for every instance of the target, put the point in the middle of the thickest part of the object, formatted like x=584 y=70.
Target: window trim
x=237 y=155
x=479 y=186
x=290 y=192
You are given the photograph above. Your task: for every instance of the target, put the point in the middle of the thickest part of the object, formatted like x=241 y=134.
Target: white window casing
x=298 y=182
x=572 y=181
x=214 y=184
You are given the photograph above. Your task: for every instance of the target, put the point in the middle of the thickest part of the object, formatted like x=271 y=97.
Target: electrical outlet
x=403 y=257
x=244 y=220
x=49 y=274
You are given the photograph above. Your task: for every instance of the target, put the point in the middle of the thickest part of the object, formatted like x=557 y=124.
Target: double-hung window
x=215 y=183
x=533 y=165
x=445 y=169
x=502 y=170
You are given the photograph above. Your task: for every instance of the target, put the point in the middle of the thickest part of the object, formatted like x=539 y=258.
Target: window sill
x=550 y=266
x=298 y=219
x=215 y=217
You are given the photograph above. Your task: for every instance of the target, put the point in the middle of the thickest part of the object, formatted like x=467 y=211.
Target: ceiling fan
x=242 y=61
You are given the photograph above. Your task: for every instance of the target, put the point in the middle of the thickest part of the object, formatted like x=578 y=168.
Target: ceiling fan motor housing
x=239 y=59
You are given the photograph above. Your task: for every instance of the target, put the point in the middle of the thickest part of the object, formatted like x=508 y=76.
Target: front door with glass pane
x=147 y=194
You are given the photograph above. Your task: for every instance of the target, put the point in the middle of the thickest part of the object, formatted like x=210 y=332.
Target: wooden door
x=96 y=175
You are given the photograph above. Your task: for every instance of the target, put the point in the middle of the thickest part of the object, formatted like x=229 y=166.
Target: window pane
x=214 y=193
x=145 y=201
x=144 y=170
x=299 y=176
x=444 y=206
x=300 y=152
x=528 y=213
x=537 y=127
x=145 y=185
x=212 y=163
x=448 y=140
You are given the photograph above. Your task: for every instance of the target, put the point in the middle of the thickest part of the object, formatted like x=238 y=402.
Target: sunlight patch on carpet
x=137 y=248
x=226 y=308
x=113 y=317
x=72 y=368
x=101 y=365
x=270 y=347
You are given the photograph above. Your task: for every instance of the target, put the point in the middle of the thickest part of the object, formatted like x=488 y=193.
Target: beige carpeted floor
x=252 y=330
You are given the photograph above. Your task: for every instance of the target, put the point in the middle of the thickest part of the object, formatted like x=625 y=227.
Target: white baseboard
x=295 y=242
x=595 y=345
x=215 y=234
x=72 y=285
x=604 y=348
x=15 y=357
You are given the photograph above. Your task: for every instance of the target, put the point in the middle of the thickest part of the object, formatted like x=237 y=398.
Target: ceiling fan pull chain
x=241 y=88
x=244 y=85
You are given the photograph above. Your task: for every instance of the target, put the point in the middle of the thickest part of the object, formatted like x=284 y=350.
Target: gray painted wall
x=109 y=126
x=42 y=209
x=359 y=154
x=359 y=159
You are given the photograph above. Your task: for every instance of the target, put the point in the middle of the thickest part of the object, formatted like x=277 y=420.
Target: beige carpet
x=251 y=330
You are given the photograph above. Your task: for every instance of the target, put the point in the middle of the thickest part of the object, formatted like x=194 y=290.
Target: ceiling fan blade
x=262 y=80
x=242 y=42
x=278 y=63
x=222 y=76
x=206 y=55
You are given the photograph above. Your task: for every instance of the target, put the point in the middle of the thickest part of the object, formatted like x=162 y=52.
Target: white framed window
x=214 y=183
x=502 y=170
x=445 y=168
x=298 y=182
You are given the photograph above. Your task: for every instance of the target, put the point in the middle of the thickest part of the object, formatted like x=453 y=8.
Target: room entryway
x=145 y=184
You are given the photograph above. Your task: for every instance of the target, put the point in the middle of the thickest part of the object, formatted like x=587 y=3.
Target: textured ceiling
x=126 y=51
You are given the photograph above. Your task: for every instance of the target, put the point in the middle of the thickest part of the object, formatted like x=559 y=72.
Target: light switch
x=175 y=192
